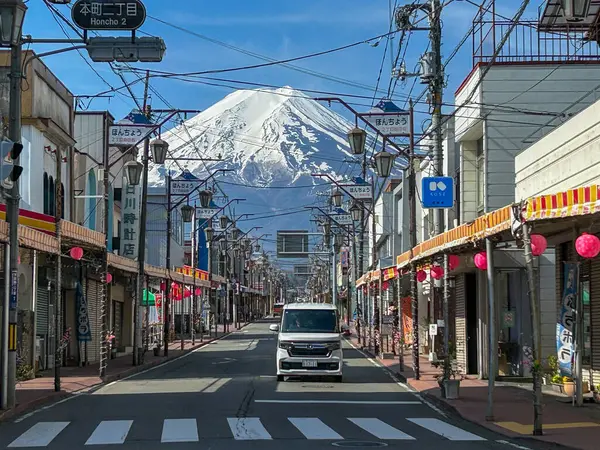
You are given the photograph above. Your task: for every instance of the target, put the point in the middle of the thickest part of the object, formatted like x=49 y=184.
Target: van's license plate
x=309 y=363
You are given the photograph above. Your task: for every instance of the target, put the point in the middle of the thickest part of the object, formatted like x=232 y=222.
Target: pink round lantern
x=163 y=286
x=421 y=276
x=538 y=244
x=385 y=286
x=108 y=278
x=436 y=272
x=76 y=253
x=453 y=262
x=480 y=260
x=587 y=245
x=198 y=291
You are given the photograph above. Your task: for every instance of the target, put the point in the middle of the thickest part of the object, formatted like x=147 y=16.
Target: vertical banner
x=130 y=220
x=566 y=319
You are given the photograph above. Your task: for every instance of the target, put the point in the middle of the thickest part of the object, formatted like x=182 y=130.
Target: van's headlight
x=285 y=345
x=334 y=346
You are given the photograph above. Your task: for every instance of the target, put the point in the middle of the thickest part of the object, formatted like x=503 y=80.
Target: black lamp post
x=384 y=162
x=223 y=221
x=159 y=149
x=336 y=198
x=355 y=211
x=235 y=233
x=257 y=248
x=187 y=213
x=575 y=10
x=209 y=233
x=205 y=198
x=357 y=139
x=12 y=15
x=133 y=172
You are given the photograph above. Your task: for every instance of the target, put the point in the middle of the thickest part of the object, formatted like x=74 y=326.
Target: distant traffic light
x=9 y=172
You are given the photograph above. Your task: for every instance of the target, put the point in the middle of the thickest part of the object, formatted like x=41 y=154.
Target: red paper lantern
x=385 y=286
x=538 y=244
x=108 y=278
x=587 y=245
x=163 y=286
x=480 y=260
x=453 y=262
x=198 y=291
x=421 y=276
x=76 y=253
x=436 y=272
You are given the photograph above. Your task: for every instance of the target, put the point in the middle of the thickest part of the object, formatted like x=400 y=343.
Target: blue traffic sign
x=438 y=192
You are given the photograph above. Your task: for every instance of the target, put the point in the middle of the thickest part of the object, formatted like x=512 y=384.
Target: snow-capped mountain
x=273 y=140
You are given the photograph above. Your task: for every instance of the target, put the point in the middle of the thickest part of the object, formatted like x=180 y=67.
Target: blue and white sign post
x=437 y=192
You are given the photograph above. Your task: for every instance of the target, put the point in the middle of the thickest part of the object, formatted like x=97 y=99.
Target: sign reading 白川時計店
x=130 y=220
x=108 y=14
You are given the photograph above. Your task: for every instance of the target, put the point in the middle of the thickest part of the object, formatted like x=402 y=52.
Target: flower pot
x=569 y=388
x=451 y=389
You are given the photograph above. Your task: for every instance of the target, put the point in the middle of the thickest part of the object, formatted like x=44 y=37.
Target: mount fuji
x=271 y=140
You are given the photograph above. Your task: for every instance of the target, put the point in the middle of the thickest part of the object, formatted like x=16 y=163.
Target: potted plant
x=568 y=386
x=448 y=381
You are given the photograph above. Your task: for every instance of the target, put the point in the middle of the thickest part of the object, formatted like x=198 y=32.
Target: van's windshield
x=309 y=321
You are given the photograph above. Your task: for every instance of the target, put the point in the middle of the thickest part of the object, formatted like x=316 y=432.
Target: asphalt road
x=225 y=396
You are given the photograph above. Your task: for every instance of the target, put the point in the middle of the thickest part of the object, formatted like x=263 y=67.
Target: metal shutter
x=460 y=323
x=41 y=310
x=93 y=294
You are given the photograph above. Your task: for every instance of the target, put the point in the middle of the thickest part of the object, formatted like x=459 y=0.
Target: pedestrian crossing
x=115 y=432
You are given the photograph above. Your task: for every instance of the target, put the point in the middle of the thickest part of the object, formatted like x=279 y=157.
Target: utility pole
x=104 y=302
x=137 y=316
x=12 y=205
x=58 y=288
x=436 y=88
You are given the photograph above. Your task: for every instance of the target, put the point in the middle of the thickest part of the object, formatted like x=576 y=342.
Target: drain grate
x=359 y=444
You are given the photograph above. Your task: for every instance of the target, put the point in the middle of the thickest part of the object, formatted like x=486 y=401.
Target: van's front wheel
x=280 y=378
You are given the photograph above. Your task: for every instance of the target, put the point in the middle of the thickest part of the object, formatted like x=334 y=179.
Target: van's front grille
x=309 y=349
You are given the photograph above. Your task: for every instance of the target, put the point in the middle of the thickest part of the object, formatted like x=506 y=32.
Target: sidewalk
x=34 y=393
x=564 y=424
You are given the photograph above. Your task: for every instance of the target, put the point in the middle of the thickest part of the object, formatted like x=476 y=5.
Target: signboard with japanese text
x=127 y=135
x=183 y=187
x=205 y=213
x=344 y=255
x=342 y=219
x=125 y=15
x=130 y=220
x=566 y=319
x=393 y=124
x=359 y=191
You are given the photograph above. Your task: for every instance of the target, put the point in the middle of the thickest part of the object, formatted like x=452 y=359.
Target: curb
x=53 y=397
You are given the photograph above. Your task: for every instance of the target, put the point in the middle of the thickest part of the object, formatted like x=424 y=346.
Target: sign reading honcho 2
x=108 y=14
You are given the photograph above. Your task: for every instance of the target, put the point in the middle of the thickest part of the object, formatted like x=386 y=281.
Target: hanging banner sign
x=108 y=14
x=359 y=191
x=130 y=220
x=566 y=319
x=205 y=213
x=128 y=135
x=183 y=187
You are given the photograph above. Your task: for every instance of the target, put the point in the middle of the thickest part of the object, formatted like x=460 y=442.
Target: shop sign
x=566 y=319
x=128 y=135
x=130 y=220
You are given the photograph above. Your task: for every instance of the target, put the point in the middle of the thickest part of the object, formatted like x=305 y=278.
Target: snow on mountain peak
x=267 y=136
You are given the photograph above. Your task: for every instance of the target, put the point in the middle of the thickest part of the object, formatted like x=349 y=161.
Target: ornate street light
x=339 y=240
x=205 y=198
x=235 y=233
x=187 y=213
x=257 y=248
x=355 y=211
x=336 y=198
x=223 y=245
x=159 y=149
x=575 y=10
x=384 y=162
x=133 y=172
x=210 y=233
x=247 y=244
x=326 y=228
x=247 y=254
x=223 y=221
x=357 y=139
x=12 y=15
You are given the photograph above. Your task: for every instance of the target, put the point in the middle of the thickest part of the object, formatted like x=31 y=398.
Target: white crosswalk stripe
x=39 y=435
x=445 y=429
x=115 y=432
x=110 y=432
x=313 y=428
x=179 y=430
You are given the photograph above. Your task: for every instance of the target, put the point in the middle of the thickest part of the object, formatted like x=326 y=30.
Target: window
x=309 y=321
x=480 y=176
x=46 y=194
x=52 y=197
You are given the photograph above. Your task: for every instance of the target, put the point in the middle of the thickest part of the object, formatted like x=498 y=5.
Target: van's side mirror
x=274 y=327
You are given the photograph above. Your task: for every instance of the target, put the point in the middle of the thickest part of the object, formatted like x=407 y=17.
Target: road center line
x=342 y=402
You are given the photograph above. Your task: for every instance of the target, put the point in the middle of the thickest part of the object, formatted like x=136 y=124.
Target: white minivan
x=309 y=341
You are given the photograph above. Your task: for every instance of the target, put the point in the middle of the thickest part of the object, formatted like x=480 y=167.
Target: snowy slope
x=270 y=138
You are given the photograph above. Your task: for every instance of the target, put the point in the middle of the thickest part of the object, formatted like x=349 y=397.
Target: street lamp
x=339 y=240
x=159 y=149
x=133 y=172
x=247 y=243
x=12 y=14
x=247 y=255
x=357 y=139
x=355 y=211
x=235 y=233
x=187 y=212
x=257 y=248
x=326 y=228
x=210 y=233
x=336 y=198
x=223 y=221
x=205 y=198
x=383 y=163
x=575 y=10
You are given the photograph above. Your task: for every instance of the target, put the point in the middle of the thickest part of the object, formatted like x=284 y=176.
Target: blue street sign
x=437 y=192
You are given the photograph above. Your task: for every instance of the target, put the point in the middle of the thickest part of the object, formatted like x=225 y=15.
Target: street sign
x=342 y=219
x=438 y=192
x=108 y=14
x=388 y=118
x=359 y=191
x=127 y=135
x=433 y=329
x=205 y=213
x=183 y=187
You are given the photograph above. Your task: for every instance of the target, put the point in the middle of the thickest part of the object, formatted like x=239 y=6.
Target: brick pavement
x=564 y=424
x=40 y=391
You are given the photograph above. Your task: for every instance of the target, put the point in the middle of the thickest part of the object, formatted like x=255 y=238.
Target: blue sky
x=267 y=27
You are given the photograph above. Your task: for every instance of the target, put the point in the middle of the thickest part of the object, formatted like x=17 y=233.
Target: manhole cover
x=357 y=444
